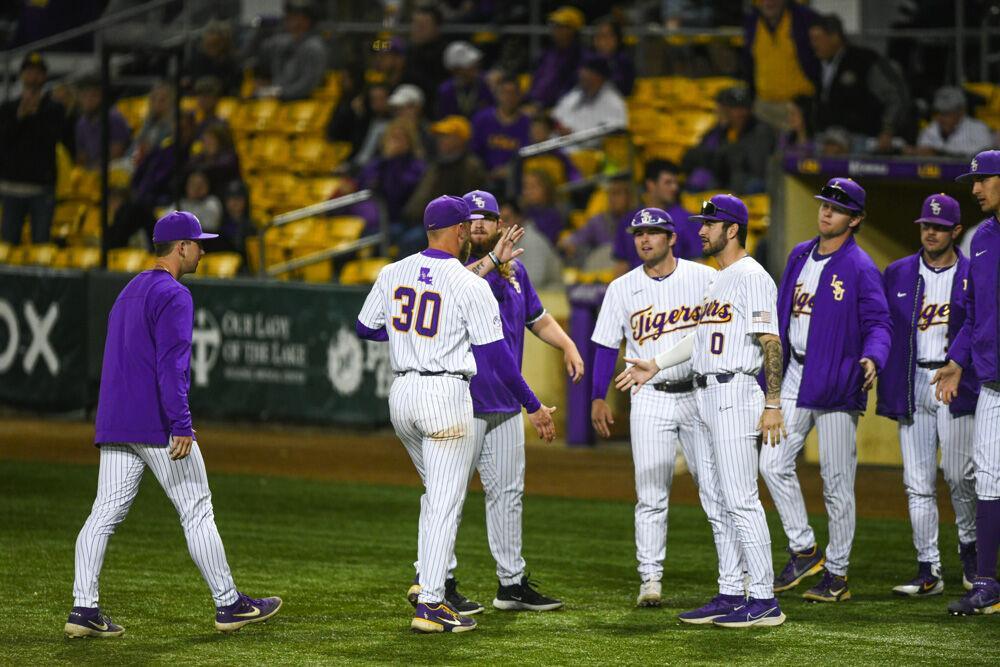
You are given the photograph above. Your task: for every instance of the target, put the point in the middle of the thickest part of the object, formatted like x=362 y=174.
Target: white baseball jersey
x=654 y=314
x=741 y=303
x=803 y=300
x=434 y=310
x=932 y=323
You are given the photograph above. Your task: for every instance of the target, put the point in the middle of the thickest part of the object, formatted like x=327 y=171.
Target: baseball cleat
x=244 y=611
x=522 y=596
x=719 y=606
x=801 y=564
x=440 y=617
x=756 y=612
x=459 y=602
x=984 y=598
x=90 y=622
x=967 y=554
x=649 y=594
x=413 y=593
x=927 y=582
x=832 y=588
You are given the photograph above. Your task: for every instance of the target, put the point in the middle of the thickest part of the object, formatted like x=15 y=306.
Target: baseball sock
x=987 y=537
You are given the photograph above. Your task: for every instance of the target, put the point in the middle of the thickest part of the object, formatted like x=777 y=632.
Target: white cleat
x=650 y=594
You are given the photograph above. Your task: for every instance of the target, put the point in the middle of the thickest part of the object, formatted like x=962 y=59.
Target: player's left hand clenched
x=871 y=371
x=541 y=419
x=574 y=364
x=772 y=426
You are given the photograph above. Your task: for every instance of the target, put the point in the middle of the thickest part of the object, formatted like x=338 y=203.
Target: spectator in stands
x=425 y=53
x=353 y=118
x=556 y=72
x=30 y=127
x=65 y=93
x=733 y=155
x=397 y=170
x=295 y=60
x=590 y=246
x=407 y=104
x=556 y=162
x=833 y=141
x=158 y=124
x=778 y=58
x=498 y=133
x=88 y=127
x=798 y=136
x=951 y=132
x=593 y=102
x=207 y=90
x=859 y=90
x=215 y=56
x=538 y=202
x=465 y=92
x=237 y=225
x=217 y=159
x=198 y=199
x=127 y=215
x=608 y=44
x=154 y=182
x=389 y=62
x=378 y=116
x=540 y=259
x=662 y=189
x=454 y=169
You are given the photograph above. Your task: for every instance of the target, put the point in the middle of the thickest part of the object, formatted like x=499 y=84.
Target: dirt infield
x=377 y=457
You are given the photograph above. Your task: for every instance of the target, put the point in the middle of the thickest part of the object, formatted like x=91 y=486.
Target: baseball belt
x=435 y=374
x=932 y=365
x=675 y=387
x=720 y=378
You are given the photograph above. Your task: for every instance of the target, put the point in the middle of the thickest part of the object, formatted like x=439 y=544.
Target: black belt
x=436 y=374
x=801 y=358
x=932 y=365
x=721 y=378
x=674 y=387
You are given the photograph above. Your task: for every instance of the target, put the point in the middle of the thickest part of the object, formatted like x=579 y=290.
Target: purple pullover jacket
x=977 y=341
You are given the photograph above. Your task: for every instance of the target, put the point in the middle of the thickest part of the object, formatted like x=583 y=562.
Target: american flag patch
x=762 y=317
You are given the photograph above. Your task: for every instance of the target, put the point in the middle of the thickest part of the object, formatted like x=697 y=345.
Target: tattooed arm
x=504 y=251
x=771 y=424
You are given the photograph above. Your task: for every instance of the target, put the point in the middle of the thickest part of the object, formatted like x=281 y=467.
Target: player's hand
x=638 y=374
x=601 y=417
x=504 y=249
x=947 y=378
x=541 y=419
x=574 y=364
x=871 y=370
x=180 y=446
x=772 y=426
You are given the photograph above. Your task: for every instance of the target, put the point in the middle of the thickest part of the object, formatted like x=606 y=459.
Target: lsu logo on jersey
x=838 y=288
x=802 y=301
x=716 y=312
x=425 y=276
x=649 y=325
x=932 y=314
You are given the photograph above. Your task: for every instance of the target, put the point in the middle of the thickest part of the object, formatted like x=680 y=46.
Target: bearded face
x=485 y=234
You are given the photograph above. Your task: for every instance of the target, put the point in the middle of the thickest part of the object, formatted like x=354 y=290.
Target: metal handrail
x=321 y=207
x=324 y=255
x=582 y=136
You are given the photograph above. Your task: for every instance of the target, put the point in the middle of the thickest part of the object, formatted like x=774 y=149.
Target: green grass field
x=340 y=557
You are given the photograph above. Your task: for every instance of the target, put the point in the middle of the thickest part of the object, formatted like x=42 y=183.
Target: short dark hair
x=164 y=249
x=653 y=168
x=741 y=232
x=830 y=24
x=512 y=204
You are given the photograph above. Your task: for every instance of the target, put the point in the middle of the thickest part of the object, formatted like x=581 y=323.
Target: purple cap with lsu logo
x=446 y=211
x=651 y=218
x=480 y=201
x=723 y=208
x=986 y=163
x=940 y=209
x=843 y=192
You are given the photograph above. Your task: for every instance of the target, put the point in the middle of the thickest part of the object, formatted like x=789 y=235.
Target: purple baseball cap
x=179 y=226
x=480 y=201
x=940 y=209
x=986 y=163
x=723 y=208
x=446 y=211
x=651 y=218
x=843 y=192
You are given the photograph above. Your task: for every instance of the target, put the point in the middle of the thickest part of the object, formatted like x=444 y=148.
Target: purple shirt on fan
x=520 y=307
x=394 y=179
x=496 y=143
x=88 y=136
x=555 y=75
x=453 y=100
x=548 y=220
x=687 y=246
x=145 y=376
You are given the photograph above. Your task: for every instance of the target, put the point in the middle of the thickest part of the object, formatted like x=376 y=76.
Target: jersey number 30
x=428 y=311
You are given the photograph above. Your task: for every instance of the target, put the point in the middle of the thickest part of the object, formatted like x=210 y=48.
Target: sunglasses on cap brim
x=709 y=209
x=840 y=196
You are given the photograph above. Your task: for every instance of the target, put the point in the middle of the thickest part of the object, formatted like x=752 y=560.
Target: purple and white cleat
x=440 y=617
x=984 y=598
x=756 y=612
x=90 y=622
x=719 y=606
x=927 y=582
x=244 y=611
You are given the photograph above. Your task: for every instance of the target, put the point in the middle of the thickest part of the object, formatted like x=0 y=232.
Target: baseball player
x=976 y=350
x=497 y=413
x=736 y=334
x=926 y=295
x=835 y=335
x=143 y=421
x=442 y=323
x=653 y=307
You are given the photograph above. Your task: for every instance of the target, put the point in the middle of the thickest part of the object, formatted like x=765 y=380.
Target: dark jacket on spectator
x=739 y=165
x=28 y=145
x=865 y=96
x=444 y=177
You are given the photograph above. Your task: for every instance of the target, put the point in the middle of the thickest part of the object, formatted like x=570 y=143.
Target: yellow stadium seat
x=362 y=271
x=695 y=123
x=41 y=254
x=759 y=204
x=129 y=260
x=550 y=164
x=220 y=264
x=588 y=162
x=5 y=249
x=269 y=152
x=83 y=258
x=664 y=151
x=227 y=107
x=18 y=255
x=596 y=203
x=257 y=115
x=691 y=201
x=67 y=218
x=321 y=189
x=577 y=219
x=134 y=109
x=314 y=155
x=347 y=227
x=331 y=89
x=84 y=184
x=304 y=116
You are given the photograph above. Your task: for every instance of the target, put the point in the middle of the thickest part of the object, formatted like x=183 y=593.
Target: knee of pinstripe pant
x=197 y=512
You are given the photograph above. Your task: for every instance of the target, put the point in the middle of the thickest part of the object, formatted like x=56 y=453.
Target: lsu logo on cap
x=935 y=207
x=646 y=217
x=479 y=201
x=975 y=165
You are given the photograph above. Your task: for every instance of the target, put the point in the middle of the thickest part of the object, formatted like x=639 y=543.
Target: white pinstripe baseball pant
x=838 y=463
x=731 y=412
x=432 y=416
x=186 y=484
x=933 y=422
x=986 y=451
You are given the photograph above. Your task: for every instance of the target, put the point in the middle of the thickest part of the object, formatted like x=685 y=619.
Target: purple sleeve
x=172 y=338
x=961 y=348
x=533 y=308
x=119 y=129
x=620 y=248
x=605 y=359
x=496 y=356
x=876 y=325
x=367 y=333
